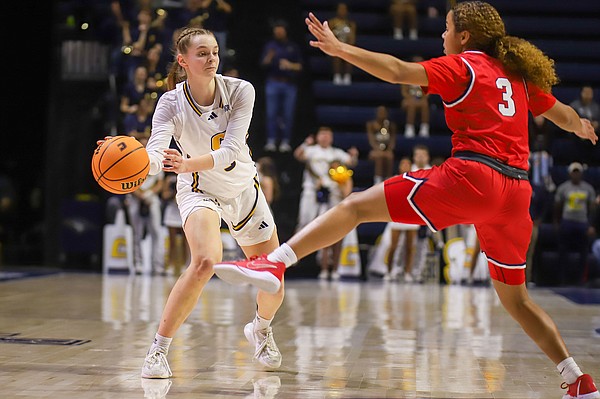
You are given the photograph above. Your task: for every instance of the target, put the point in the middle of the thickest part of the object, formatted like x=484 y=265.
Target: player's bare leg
x=533 y=319
x=202 y=229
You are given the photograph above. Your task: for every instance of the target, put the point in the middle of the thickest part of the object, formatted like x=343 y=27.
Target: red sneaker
x=258 y=271
x=583 y=388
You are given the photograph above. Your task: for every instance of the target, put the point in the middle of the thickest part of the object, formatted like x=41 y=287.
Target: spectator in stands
x=382 y=139
x=269 y=182
x=421 y=159
x=282 y=60
x=178 y=248
x=586 y=107
x=543 y=187
x=139 y=124
x=157 y=70
x=344 y=28
x=410 y=237
x=135 y=41
x=540 y=126
x=596 y=242
x=329 y=257
x=145 y=214
x=404 y=11
x=574 y=213
x=413 y=101
x=319 y=191
x=134 y=91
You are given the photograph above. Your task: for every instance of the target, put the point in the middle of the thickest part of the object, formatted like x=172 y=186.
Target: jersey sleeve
x=163 y=129
x=448 y=77
x=242 y=105
x=539 y=101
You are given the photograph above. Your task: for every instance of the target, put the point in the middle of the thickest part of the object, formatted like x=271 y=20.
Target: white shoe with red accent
x=258 y=271
x=582 y=388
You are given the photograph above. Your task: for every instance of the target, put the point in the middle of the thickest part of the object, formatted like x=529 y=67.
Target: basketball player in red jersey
x=488 y=82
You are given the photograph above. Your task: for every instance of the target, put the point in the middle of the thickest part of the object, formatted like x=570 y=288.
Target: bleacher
x=566 y=31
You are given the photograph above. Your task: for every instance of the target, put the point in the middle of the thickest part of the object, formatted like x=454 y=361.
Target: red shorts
x=469 y=192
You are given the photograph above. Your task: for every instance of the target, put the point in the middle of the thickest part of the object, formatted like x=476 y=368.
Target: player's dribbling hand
x=326 y=40
x=173 y=161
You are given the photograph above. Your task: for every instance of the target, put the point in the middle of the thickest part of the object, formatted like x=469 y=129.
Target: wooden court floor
x=73 y=335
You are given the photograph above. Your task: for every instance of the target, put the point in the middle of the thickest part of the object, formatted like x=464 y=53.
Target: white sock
x=284 y=254
x=261 y=324
x=161 y=344
x=569 y=370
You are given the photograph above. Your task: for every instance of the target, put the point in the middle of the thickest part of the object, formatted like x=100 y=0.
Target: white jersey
x=220 y=129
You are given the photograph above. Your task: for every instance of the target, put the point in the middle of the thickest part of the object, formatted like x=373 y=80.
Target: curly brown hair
x=518 y=56
x=176 y=72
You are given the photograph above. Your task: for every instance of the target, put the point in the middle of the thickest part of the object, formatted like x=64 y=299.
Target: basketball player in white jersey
x=208 y=115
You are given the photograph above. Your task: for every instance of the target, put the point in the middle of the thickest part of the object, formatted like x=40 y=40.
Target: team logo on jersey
x=212 y=116
x=263 y=225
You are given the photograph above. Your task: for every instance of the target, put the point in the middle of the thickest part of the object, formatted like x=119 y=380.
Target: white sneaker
x=324 y=275
x=337 y=79
x=335 y=276
x=267 y=353
x=387 y=277
x=347 y=79
x=424 y=130
x=409 y=131
x=408 y=278
x=413 y=34
x=156 y=366
x=156 y=389
x=285 y=147
x=270 y=147
x=398 y=35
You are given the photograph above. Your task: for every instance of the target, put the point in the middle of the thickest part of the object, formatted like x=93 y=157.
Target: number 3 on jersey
x=506 y=108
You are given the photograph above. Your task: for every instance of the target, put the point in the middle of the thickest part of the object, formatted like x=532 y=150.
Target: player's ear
x=181 y=61
x=465 y=35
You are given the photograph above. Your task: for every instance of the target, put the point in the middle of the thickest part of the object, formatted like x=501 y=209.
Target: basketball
x=120 y=165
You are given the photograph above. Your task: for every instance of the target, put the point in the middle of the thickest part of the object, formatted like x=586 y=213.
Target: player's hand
x=587 y=131
x=326 y=40
x=174 y=162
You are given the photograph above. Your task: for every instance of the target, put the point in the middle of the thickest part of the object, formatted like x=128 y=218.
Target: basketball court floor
x=73 y=335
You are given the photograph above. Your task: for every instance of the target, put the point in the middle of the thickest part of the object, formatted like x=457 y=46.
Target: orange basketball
x=120 y=165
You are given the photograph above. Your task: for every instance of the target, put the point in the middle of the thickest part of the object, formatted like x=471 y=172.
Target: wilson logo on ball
x=131 y=184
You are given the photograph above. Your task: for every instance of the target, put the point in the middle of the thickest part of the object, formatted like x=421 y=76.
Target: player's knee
x=202 y=265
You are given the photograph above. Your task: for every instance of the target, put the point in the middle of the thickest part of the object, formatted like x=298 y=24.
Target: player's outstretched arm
x=566 y=118
x=382 y=66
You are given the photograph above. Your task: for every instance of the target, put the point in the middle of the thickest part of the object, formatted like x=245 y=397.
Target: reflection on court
x=338 y=340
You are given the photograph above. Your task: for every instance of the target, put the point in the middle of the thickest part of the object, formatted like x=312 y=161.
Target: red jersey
x=486 y=108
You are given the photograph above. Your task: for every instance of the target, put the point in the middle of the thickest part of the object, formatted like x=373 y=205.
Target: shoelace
x=158 y=357
x=268 y=342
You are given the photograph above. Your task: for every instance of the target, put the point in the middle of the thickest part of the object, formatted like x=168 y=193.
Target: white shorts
x=248 y=216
